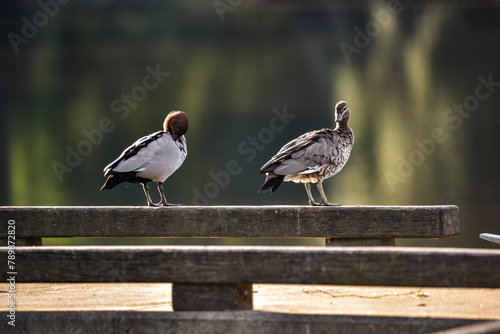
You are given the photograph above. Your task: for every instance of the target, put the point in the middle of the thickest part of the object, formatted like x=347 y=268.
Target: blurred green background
x=405 y=68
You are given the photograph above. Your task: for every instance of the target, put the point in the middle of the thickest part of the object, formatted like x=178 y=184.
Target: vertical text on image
x=11 y=273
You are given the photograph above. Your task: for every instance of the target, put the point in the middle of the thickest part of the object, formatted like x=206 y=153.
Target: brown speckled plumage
x=312 y=157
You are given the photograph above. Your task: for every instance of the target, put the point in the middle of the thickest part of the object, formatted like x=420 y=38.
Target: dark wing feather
x=301 y=153
x=133 y=150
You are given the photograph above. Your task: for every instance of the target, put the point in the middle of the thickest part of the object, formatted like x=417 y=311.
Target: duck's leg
x=146 y=191
x=311 y=199
x=162 y=193
x=324 y=201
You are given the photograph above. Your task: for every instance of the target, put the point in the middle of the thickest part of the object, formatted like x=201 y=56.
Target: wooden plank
x=384 y=266
x=234 y=221
x=391 y=301
x=212 y=297
x=221 y=322
x=486 y=327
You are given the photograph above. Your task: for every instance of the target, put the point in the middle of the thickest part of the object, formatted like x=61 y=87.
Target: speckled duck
x=312 y=157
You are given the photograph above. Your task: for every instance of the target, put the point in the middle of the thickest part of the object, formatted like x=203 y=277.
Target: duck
x=312 y=157
x=152 y=158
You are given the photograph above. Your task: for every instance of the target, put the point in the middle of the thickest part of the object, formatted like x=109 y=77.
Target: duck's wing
x=305 y=154
x=137 y=155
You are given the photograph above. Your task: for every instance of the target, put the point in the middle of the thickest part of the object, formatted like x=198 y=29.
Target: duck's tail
x=111 y=182
x=115 y=179
x=273 y=181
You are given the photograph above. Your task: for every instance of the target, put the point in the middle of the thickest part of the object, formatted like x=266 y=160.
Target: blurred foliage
x=228 y=75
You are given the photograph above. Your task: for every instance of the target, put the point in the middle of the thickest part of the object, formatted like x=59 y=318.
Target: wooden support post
x=22 y=242
x=359 y=242
x=212 y=297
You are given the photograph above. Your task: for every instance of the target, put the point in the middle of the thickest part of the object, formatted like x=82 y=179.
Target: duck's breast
x=162 y=158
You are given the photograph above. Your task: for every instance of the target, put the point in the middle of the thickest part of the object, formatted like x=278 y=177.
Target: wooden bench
x=213 y=284
x=342 y=226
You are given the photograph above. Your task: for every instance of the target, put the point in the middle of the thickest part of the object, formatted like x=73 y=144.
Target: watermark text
x=11 y=271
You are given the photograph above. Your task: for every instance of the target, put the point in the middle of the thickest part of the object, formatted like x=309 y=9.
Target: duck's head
x=176 y=123
x=342 y=112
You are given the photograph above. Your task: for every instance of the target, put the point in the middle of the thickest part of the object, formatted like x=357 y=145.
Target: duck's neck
x=343 y=124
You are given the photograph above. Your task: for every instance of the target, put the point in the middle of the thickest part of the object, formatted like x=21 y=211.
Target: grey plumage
x=312 y=157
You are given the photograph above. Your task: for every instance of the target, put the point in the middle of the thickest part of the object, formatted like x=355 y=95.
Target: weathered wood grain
x=227 y=322
x=384 y=266
x=234 y=221
x=221 y=322
x=484 y=327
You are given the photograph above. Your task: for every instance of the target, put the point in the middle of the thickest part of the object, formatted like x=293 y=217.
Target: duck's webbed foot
x=313 y=203
x=329 y=204
x=169 y=204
